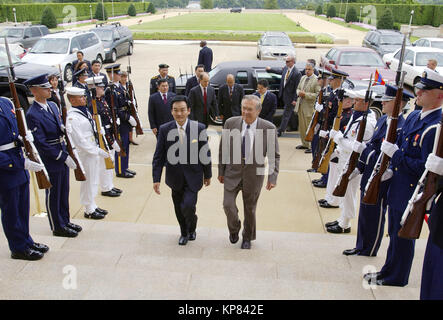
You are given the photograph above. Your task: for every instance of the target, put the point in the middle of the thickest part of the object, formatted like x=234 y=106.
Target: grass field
x=222 y=21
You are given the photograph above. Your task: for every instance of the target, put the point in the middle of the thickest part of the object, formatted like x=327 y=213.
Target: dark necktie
x=230 y=92
x=165 y=100
x=205 y=100
x=245 y=143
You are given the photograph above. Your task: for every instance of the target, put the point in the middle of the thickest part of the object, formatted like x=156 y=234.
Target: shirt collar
x=44 y=106
x=253 y=125
x=426 y=113
x=184 y=126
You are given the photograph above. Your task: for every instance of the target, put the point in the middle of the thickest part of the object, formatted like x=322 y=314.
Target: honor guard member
x=163 y=69
x=14 y=189
x=371 y=218
x=106 y=175
x=82 y=75
x=432 y=277
x=82 y=130
x=45 y=122
x=126 y=120
x=345 y=142
x=408 y=157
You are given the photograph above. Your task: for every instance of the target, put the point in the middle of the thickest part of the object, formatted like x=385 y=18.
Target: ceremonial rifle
x=314 y=120
x=117 y=137
x=134 y=113
x=30 y=150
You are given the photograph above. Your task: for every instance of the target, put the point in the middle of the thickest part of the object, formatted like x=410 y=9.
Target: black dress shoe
x=351 y=252
x=319 y=184
x=316 y=181
x=110 y=193
x=183 y=240
x=327 y=205
x=102 y=211
x=311 y=170
x=308 y=151
x=322 y=201
x=65 y=232
x=94 y=215
x=331 y=224
x=117 y=190
x=75 y=227
x=192 y=236
x=301 y=147
x=279 y=133
x=125 y=175
x=233 y=237
x=134 y=143
x=39 y=247
x=246 y=244
x=131 y=172
x=338 y=229
x=372 y=275
x=29 y=254
x=378 y=282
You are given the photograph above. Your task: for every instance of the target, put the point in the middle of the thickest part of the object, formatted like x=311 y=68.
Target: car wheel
x=416 y=80
x=130 y=49
x=99 y=58
x=376 y=108
x=67 y=74
x=113 y=55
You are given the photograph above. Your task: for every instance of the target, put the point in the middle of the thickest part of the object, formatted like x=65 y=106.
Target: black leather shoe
x=192 y=236
x=65 y=232
x=316 y=181
x=29 y=254
x=101 y=211
x=39 y=247
x=279 y=133
x=233 y=237
x=319 y=184
x=117 y=190
x=327 y=205
x=246 y=244
x=134 y=143
x=125 y=175
x=331 y=224
x=301 y=147
x=372 y=275
x=131 y=172
x=308 y=151
x=338 y=229
x=74 y=227
x=110 y=193
x=311 y=170
x=322 y=201
x=183 y=240
x=350 y=252
x=378 y=282
x=94 y=215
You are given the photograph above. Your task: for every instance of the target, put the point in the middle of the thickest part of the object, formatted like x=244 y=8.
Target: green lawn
x=222 y=21
x=344 y=24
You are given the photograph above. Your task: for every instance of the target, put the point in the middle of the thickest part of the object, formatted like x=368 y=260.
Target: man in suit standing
x=95 y=72
x=307 y=92
x=76 y=63
x=288 y=90
x=230 y=96
x=205 y=56
x=246 y=141
x=193 y=81
x=202 y=101
x=159 y=106
x=268 y=100
x=187 y=169
x=163 y=70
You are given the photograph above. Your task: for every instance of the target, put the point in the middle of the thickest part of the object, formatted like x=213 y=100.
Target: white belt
x=8 y=146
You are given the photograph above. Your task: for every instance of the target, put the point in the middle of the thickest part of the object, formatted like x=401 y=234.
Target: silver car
x=274 y=46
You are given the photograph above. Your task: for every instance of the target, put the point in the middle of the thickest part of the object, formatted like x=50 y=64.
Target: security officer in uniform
x=44 y=121
x=408 y=157
x=82 y=75
x=14 y=189
x=371 y=218
x=121 y=106
x=163 y=70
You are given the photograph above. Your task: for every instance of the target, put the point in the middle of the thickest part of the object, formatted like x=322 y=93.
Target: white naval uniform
x=82 y=134
x=106 y=176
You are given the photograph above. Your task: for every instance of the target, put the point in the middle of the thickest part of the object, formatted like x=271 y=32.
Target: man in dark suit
x=95 y=71
x=193 y=81
x=159 y=106
x=163 y=70
x=288 y=90
x=268 y=100
x=187 y=169
x=80 y=58
x=230 y=96
x=202 y=101
x=205 y=56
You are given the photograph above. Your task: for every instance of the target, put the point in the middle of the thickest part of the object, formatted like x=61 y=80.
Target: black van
x=117 y=40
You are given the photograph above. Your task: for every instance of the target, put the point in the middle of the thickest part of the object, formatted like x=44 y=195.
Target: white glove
x=115 y=146
x=337 y=136
x=29 y=137
x=102 y=131
x=434 y=164
x=387 y=175
x=332 y=133
x=33 y=166
x=318 y=107
x=70 y=163
x=323 y=133
x=118 y=121
x=388 y=148
x=102 y=153
x=63 y=128
x=317 y=126
x=358 y=146
x=132 y=121
x=354 y=174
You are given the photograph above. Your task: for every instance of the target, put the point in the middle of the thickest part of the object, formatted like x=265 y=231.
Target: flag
x=378 y=79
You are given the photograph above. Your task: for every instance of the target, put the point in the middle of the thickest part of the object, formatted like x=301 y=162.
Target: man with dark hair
x=193 y=169
x=230 y=96
x=313 y=62
x=202 y=101
x=159 y=106
x=268 y=100
x=163 y=70
x=193 y=81
x=95 y=71
x=75 y=64
x=205 y=56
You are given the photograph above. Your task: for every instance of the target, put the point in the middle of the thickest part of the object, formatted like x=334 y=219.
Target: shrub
x=99 y=13
x=151 y=8
x=331 y=12
x=319 y=10
x=48 y=18
x=386 y=20
x=351 y=15
x=132 y=12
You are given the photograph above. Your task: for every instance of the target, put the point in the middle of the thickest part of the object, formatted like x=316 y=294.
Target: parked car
x=248 y=73
x=414 y=62
x=274 y=46
x=429 y=42
x=235 y=10
x=384 y=41
x=359 y=62
x=60 y=49
x=117 y=40
x=25 y=35
x=15 y=48
x=23 y=71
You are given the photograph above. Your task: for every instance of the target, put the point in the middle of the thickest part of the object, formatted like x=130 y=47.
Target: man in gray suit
x=288 y=89
x=203 y=101
x=246 y=141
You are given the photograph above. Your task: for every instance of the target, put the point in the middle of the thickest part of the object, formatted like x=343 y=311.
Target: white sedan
x=415 y=61
x=429 y=42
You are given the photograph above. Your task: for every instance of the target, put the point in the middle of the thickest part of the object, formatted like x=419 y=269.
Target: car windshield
x=12 y=32
x=360 y=58
x=437 y=44
x=392 y=39
x=4 y=58
x=423 y=57
x=104 y=35
x=213 y=72
x=51 y=45
x=276 y=41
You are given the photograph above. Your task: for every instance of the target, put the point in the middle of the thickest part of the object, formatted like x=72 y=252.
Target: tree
x=99 y=13
x=319 y=10
x=151 y=8
x=48 y=18
x=331 y=12
x=132 y=12
x=206 y=4
x=351 y=15
x=386 y=20
x=271 y=4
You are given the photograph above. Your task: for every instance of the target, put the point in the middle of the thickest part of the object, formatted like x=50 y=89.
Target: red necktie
x=205 y=99
x=165 y=100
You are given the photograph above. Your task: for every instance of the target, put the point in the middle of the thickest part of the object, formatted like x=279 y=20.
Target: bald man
x=203 y=101
x=230 y=96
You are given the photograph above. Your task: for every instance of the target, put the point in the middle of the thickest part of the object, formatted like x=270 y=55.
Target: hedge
x=33 y=11
x=423 y=14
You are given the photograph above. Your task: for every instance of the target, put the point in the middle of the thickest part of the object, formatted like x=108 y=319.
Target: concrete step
x=120 y=260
